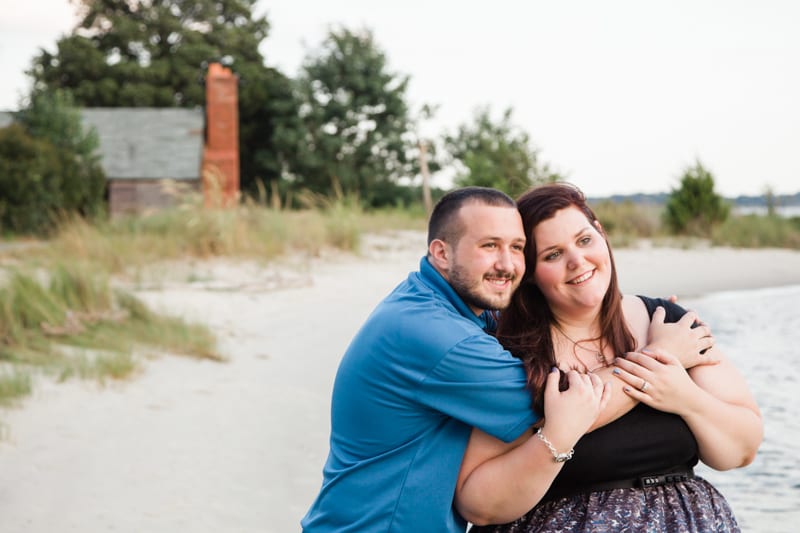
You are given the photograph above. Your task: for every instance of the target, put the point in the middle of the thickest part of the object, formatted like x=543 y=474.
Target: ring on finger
x=644 y=386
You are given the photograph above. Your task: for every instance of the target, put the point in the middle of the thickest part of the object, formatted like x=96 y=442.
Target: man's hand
x=689 y=339
x=570 y=413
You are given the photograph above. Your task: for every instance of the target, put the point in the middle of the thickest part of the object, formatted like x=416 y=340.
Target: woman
x=634 y=473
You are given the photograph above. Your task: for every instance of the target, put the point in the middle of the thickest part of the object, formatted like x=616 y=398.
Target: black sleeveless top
x=642 y=442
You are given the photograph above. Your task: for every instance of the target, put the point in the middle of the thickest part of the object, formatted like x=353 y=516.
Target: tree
x=49 y=165
x=694 y=207
x=496 y=154
x=771 y=201
x=29 y=185
x=355 y=118
x=128 y=53
x=426 y=154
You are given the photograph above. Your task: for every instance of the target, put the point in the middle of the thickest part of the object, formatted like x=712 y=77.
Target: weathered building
x=145 y=150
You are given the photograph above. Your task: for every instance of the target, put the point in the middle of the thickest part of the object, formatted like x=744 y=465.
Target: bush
x=695 y=208
x=48 y=166
x=30 y=183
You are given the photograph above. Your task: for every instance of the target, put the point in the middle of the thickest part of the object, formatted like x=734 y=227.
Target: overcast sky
x=619 y=95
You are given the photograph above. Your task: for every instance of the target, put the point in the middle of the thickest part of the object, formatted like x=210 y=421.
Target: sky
x=620 y=96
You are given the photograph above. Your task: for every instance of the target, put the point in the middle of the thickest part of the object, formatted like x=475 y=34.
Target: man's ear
x=439 y=254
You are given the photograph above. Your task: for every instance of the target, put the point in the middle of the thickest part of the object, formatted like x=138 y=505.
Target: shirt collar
x=432 y=276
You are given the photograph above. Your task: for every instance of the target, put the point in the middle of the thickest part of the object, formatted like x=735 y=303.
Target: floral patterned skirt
x=684 y=507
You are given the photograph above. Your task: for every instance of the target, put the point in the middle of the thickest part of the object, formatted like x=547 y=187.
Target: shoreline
x=700 y=271
x=200 y=446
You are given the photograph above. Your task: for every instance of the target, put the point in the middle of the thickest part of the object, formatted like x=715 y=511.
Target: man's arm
x=500 y=482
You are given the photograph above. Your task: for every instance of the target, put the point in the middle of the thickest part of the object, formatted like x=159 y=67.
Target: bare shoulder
x=637 y=318
x=633 y=305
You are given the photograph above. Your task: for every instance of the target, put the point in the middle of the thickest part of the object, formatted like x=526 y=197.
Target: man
x=422 y=371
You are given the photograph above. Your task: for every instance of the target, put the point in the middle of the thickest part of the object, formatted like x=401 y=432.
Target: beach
x=201 y=446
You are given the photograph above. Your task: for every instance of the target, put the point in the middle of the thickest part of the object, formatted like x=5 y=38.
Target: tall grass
x=758 y=231
x=46 y=313
x=121 y=243
x=60 y=314
x=627 y=222
x=249 y=231
x=14 y=384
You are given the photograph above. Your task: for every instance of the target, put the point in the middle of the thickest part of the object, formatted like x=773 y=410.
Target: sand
x=199 y=446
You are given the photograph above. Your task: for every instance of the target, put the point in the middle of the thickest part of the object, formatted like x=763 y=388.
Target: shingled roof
x=148 y=143
x=145 y=142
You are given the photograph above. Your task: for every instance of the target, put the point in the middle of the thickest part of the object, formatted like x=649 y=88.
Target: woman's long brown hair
x=524 y=326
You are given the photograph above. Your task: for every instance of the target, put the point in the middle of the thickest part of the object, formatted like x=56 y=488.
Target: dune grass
x=67 y=320
x=14 y=383
x=758 y=231
x=251 y=231
x=627 y=222
x=59 y=312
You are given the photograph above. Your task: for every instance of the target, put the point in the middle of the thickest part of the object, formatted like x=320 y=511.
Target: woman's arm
x=713 y=400
x=500 y=482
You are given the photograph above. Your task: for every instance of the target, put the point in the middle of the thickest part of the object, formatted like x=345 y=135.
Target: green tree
x=496 y=154
x=53 y=117
x=30 y=184
x=48 y=165
x=128 y=53
x=356 y=120
x=694 y=207
x=771 y=200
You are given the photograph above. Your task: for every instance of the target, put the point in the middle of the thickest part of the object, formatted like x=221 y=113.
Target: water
x=785 y=211
x=760 y=331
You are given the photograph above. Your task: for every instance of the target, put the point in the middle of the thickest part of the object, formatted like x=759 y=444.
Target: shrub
x=30 y=181
x=695 y=208
x=48 y=166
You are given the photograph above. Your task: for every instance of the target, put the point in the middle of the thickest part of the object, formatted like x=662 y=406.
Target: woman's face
x=573 y=266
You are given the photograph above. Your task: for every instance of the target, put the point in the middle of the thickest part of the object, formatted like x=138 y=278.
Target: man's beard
x=472 y=296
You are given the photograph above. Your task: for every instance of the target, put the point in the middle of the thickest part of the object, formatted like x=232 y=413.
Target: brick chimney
x=220 y=169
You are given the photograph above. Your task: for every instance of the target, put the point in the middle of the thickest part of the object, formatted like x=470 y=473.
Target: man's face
x=486 y=265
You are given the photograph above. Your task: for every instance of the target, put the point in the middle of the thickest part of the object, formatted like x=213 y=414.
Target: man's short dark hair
x=444 y=223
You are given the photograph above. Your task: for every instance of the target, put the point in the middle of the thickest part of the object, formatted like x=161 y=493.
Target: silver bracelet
x=558 y=457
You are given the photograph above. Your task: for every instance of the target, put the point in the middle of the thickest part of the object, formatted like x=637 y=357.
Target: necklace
x=598 y=355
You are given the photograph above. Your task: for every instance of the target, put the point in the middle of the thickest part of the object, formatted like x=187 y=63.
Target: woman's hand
x=689 y=338
x=713 y=400
x=657 y=379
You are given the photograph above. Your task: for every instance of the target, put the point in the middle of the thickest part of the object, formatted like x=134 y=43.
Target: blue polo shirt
x=419 y=374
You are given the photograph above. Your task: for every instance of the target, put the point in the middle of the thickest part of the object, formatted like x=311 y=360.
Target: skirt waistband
x=642 y=482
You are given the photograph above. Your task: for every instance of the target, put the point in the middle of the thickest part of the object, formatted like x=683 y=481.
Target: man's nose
x=505 y=261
